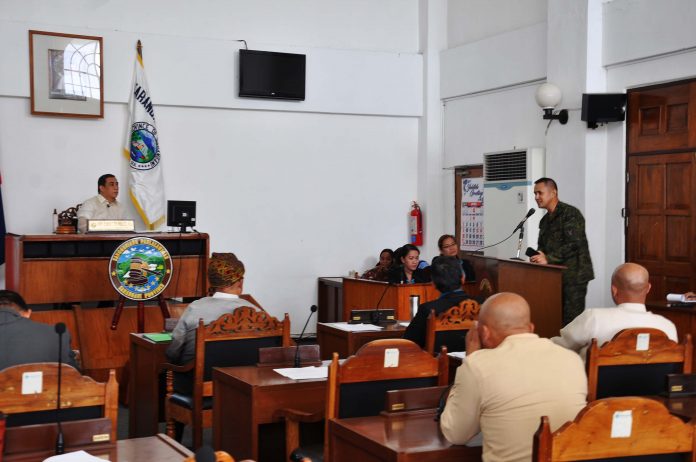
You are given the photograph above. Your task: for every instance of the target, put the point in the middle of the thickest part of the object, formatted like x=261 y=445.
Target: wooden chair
x=81 y=396
x=358 y=386
x=231 y=340
x=619 y=369
x=653 y=432
x=451 y=323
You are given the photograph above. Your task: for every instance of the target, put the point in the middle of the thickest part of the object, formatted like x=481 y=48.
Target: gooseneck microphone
x=60 y=443
x=520 y=225
x=312 y=310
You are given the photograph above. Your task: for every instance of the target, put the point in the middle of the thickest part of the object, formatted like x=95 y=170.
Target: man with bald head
x=509 y=380
x=630 y=284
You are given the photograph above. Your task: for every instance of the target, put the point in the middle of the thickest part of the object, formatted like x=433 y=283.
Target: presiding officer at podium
x=103 y=206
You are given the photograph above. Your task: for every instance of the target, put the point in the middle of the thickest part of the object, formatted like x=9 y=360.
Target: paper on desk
x=404 y=323
x=457 y=354
x=77 y=456
x=299 y=373
x=354 y=327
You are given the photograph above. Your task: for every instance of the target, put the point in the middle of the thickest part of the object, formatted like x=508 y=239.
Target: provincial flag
x=142 y=150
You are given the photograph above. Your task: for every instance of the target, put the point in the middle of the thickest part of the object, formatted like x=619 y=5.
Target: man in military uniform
x=562 y=241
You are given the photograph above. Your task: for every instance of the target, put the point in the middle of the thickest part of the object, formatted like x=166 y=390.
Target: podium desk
x=68 y=268
x=246 y=398
x=144 y=398
x=540 y=285
x=409 y=437
x=346 y=343
x=362 y=294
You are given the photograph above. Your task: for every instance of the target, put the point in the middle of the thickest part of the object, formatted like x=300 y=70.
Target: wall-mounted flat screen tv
x=269 y=74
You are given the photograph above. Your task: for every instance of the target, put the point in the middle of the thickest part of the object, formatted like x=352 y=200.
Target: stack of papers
x=77 y=456
x=354 y=327
x=688 y=297
x=299 y=373
x=457 y=354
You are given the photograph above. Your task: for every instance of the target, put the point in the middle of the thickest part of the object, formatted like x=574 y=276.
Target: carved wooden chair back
x=635 y=363
x=617 y=428
x=452 y=324
x=233 y=339
x=81 y=396
x=357 y=387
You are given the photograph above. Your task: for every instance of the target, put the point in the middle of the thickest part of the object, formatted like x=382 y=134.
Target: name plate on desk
x=110 y=226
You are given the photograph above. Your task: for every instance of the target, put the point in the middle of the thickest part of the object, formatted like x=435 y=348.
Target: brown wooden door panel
x=659 y=118
x=662 y=220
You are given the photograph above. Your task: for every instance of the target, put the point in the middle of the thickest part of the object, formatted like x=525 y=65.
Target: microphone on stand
x=520 y=226
x=60 y=443
x=312 y=310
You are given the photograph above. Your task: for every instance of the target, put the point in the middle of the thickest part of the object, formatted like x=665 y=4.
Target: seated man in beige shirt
x=509 y=380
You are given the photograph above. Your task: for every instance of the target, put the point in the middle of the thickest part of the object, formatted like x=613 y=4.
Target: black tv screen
x=269 y=74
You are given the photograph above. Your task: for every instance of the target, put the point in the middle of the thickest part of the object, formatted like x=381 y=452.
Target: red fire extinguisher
x=415 y=224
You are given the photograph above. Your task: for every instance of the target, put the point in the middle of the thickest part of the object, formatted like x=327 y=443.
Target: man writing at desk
x=103 y=206
x=509 y=380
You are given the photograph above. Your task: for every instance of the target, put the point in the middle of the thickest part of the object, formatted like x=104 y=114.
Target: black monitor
x=181 y=214
x=269 y=74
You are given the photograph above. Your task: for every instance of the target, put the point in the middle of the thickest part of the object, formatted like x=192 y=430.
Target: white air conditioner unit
x=509 y=194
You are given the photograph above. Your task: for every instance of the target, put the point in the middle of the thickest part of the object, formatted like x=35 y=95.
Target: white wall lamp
x=548 y=96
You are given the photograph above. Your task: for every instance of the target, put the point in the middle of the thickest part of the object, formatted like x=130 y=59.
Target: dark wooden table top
x=414 y=435
x=256 y=376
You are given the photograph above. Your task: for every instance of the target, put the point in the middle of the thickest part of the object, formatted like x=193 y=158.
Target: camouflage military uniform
x=562 y=238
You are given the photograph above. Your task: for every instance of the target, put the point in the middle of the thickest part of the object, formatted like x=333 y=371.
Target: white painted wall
x=297 y=190
x=472 y=20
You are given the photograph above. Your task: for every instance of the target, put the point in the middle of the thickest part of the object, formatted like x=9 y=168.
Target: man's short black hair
x=13 y=299
x=447 y=273
x=548 y=182
x=102 y=180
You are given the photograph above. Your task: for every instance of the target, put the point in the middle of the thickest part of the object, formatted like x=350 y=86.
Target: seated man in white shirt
x=508 y=381
x=629 y=288
x=226 y=276
x=103 y=206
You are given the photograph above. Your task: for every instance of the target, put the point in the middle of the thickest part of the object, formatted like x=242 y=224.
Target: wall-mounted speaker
x=600 y=108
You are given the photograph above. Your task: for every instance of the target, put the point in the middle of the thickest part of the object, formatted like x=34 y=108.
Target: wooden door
x=661 y=190
x=662 y=118
x=661 y=221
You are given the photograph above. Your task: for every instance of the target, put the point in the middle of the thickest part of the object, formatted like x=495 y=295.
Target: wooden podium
x=364 y=294
x=540 y=285
x=69 y=268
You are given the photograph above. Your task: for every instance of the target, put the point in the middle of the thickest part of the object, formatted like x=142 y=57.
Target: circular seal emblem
x=144 y=148
x=140 y=268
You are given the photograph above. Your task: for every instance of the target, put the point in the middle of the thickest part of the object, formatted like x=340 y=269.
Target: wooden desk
x=540 y=285
x=683 y=317
x=395 y=438
x=246 y=397
x=364 y=294
x=346 y=343
x=159 y=448
x=330 y=299
x=144 y=398
x=68 y=268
